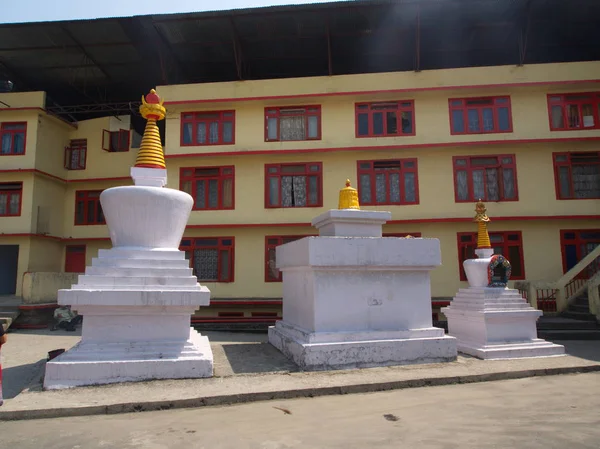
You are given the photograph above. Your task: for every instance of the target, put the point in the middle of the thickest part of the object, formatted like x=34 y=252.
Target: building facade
x=262 y=158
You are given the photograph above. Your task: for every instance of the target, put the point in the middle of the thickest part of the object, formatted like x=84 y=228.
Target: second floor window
x=10 y=199
x=388 y=182
x=211 y=187
x=294 y=185
x=577 y=175
x=489 y=178
x=88 y=210
x=480 y=115
x=207 y=128
x=12 y=138
x=115 y=141
x=210 y=258
x=388 y=119
x=75 y=154
x=293 y=123
x=574 y=111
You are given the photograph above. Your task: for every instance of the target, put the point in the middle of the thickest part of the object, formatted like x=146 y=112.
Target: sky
x=49 y=10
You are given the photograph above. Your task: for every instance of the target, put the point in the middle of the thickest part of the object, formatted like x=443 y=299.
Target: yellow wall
x=52 y=138
x=11 y=100
x=47 y=206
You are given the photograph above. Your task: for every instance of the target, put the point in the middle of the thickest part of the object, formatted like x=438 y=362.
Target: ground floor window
x=210 y=258
x=272 y=274
x=507 y=243
x=576 y=244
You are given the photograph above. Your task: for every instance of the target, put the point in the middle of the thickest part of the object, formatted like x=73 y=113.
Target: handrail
x=578 y=268
x=594 y=295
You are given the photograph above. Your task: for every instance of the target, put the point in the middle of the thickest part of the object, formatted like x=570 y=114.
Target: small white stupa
x=137 y=298
x=490 y=320
x=355 y=299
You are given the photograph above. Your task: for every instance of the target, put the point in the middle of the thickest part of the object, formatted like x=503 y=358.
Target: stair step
x=578 y=308
x=569 y=334
x=559 y=323
x=583 y=316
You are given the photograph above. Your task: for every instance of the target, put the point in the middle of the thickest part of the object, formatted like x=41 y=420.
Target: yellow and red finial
x=348 y=197
x=150 y=154
x=483 y=238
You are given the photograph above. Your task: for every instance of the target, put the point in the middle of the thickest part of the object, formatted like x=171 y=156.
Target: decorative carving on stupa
x=150 y=154
x=348 y=197
x=483 y=238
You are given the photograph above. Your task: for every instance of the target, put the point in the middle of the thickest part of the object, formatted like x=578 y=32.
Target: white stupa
x=137 y=298
x=490 y=320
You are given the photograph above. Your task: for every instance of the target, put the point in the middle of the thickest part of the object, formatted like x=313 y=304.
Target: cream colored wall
x=45 y=255
x=22 y=100
x=27 y=160
x=47 y=205
x=52 y=138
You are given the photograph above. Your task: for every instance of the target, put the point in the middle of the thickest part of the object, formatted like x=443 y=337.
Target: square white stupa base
x=316 y=351
x=89 y=363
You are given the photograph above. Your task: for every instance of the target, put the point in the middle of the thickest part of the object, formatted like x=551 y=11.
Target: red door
x=75 y=259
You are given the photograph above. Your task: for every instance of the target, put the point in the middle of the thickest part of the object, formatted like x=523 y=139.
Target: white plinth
x=351 y=223
x=496 y=323
x=358 y=302
x=137 y=298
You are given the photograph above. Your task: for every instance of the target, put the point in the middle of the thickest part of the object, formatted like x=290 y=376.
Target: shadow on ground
x=255 y=358
x=584 y=349
x=17 y=378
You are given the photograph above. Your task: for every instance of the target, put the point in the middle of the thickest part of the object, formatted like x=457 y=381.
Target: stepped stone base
x=345 y=350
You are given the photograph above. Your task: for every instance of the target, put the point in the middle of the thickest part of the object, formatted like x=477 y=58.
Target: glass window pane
x=99 y=213
x=4 y=206
x=186 y=186
x=378 y=123
x=227 y=193
x=213 y=194
x=272 y=128
x=364 y=182
x=478 y=185
x=313 y=190
x=492 y=184
x=224 y=274
x=201 y=194
x=557 y=117
x=394 y=180
x=503 y=119
x=201 y=133
x=488 y=119
x=274 y=191
x=573 y=116
x=313 y=127
x=363 y=124
x=410 y=190
x=298 y=191
x=514 y=256
x=292 y=128
x=458 y=123
x=587 y=111
x=19 y=143
x=206 y=264
x=508 y=181
x=6 y=143
x=391 y=122
x=407 y=122
x=213 y=132
x=473 y=116
x=227 y=132
x=462 y=187
x=564 y=181
x=15 y=199
x=380 y=188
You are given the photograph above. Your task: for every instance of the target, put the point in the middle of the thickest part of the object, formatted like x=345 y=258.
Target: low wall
x=42 y=287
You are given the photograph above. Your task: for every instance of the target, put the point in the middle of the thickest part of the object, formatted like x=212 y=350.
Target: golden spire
x=150 y=154
x=348 y=197
x=483 y=238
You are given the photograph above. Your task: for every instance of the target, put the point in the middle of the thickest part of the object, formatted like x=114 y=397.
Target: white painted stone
x=150 y=177
x=351 y=223
x=137 y=298
x=477 y=269
x=351 y=302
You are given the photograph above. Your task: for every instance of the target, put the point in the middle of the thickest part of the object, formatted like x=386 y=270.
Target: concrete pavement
x=247 y=369
x=555 y=412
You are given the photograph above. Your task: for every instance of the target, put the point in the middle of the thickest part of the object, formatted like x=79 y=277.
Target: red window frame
x=272 y=242
x=385 y=107
x=221 y=244
x=73 y=265
x=277 y=171
x=77 y=147
x=190 y=176
x=464 y=105
x=568 y=159
x=467 y=243
x=89 y=199
x=123 y=137
x=12 y=129
x=576 y=100
x=207 y=118
x=578 y=241
x=402 y=234
x=11 y=189
x=275 y=113
x=501 y=164
x=385 y=167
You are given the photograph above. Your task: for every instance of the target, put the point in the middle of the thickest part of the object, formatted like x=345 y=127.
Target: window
x=210 y=258
x=75 y=259
x=208 y=128
x=576 y=244
x=293 y=123
x=389 y=119
x=294 y=185
x=402 y=234
x=489 y=178
x=508 y=244
x=10 y=199
x=115 y=141
x=75 y=155
x=88 y=210
x=388 y=182
x=577 y=175
x=480 y=115
x=211 y=187
x=574 y=111
x=272 y=274
x=12 y=138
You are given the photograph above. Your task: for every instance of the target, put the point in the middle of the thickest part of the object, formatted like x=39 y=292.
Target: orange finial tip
x=347 y=183
x=152 y=97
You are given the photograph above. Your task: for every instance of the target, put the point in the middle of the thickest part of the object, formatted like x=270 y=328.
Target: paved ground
x=556 y=412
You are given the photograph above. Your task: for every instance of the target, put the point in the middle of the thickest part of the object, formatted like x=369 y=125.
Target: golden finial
x=150 y=154
x=348 y=197
x=483 y=238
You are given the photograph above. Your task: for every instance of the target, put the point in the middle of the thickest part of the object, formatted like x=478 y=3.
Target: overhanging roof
x=95 y=62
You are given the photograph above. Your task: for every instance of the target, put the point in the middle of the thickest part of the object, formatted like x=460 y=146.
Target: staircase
x=9 y=310
x=575 y=323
